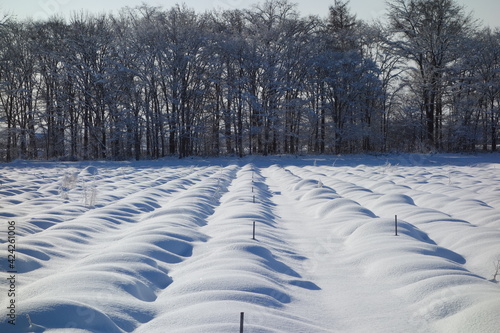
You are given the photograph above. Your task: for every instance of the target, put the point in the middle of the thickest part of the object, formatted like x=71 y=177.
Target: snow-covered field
x=167 y=246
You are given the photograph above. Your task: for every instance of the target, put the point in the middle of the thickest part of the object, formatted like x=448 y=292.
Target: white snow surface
x=166 y=246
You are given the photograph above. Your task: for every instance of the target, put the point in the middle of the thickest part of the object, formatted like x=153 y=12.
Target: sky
x=488 y=11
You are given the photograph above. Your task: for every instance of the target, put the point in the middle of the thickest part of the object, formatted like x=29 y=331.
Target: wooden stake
x=396 y=224
x=242 y=318
x=253 y=237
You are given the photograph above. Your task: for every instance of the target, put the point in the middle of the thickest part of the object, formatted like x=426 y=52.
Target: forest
x=152 y=82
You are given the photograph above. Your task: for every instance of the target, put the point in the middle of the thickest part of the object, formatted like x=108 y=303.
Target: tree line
x=151 y=82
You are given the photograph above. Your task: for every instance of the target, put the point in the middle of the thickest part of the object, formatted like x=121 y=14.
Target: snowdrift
x=168 y=246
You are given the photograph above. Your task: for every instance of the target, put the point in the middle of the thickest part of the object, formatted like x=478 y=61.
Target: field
x=398 y=243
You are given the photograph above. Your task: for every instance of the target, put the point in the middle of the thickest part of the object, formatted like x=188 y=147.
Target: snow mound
x=89 y=171
x=166 y=246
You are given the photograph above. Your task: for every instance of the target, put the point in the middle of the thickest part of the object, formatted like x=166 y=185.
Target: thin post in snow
x=254 y=198
x=242 y=318
x=396 y=224
x=253 y=237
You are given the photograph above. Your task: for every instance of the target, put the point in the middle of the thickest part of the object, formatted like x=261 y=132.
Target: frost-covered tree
x=228 y=68
x=475 y=93
x=151 y=82
x=487 y=56
x=269 y=36
x=18 y=87
x=428 y=33
x=348 y=88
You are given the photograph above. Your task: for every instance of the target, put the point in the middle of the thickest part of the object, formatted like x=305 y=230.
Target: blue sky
x=486 y=10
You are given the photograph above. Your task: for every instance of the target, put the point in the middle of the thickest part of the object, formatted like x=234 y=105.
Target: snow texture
x=167 y=246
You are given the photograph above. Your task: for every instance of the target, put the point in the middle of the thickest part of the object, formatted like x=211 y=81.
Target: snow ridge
x=167 y=246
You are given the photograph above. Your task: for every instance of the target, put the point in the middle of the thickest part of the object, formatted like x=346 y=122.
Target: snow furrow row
x=71 y=192
x=108 y=264
x=232 y=273
x=443 y=290
x=441 y=226
x=165 y=246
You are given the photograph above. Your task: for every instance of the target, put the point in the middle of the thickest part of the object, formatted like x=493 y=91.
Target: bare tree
x=152 y=82
x=428 y=33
